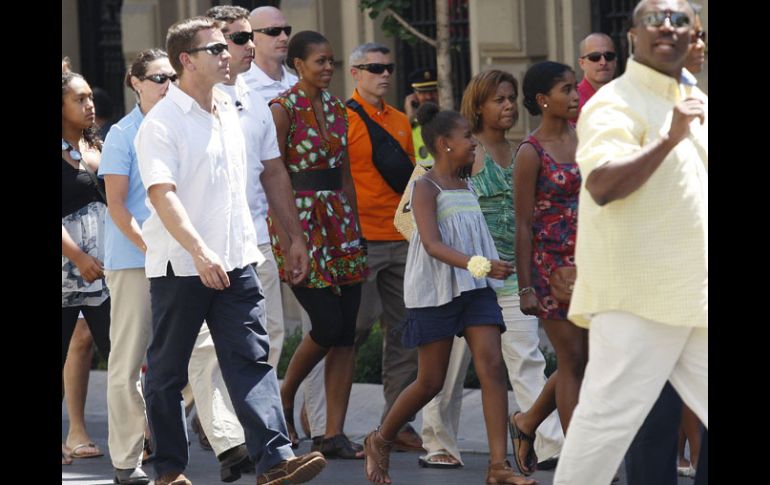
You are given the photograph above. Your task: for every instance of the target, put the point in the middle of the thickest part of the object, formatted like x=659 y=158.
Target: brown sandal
x=501 y=473
x=377 y=450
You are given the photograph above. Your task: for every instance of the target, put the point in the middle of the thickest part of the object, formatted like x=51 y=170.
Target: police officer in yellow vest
x=425 y=86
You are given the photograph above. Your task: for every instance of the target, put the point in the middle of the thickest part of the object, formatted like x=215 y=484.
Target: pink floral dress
x=554 y=226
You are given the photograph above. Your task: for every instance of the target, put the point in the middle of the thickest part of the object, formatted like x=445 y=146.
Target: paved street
x=364 y=411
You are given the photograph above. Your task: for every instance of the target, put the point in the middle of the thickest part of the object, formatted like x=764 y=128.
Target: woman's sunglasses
x=274 y=31
x=376 y=67
x=240 y=38
x=160 y=78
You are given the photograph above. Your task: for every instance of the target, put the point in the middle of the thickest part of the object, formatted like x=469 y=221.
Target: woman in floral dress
x=546 y=186
x=312 y=135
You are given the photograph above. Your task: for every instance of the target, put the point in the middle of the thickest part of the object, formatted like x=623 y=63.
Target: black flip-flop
x=425 y=460
x=516 y=437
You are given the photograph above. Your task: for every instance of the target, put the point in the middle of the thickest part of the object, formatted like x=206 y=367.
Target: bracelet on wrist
x=479 y=266
x=525 y=290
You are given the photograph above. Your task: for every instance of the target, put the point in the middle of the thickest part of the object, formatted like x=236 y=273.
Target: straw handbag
x=403 y=219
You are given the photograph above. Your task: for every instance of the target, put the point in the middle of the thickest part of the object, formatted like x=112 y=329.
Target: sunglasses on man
x=241 y=38
x=596 y=56
x=213 y=49
x=376 y=67
x=656 y=19
x=274 y=31
x=159 y=78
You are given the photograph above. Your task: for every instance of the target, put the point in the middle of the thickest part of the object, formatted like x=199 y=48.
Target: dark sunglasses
x=376 y=67
x=160 y=78
x=656 y=19
x=274 y=31
x=240 y=38
x=701 y=34
x=596 y=56
x=213 y=49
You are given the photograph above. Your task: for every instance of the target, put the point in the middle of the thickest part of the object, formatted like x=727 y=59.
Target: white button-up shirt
x=266 y=86
x=261 y=144
x=204 y=157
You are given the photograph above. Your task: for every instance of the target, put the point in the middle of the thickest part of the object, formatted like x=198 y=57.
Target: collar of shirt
x=688 y=78
x=658 y=82
x=584 y=87
x=266 y=80
x=371 y=110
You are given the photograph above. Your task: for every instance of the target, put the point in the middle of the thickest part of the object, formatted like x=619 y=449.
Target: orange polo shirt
x=377 y=202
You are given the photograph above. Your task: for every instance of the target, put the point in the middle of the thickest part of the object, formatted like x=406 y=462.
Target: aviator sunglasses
x=274 y=31
x=595 y=56
x=160 y=78
x=376 y=67
x=213 y=49
x=240 y=38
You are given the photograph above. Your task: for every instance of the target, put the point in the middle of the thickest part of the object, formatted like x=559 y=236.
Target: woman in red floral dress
x=546 y=186
x=312 y=134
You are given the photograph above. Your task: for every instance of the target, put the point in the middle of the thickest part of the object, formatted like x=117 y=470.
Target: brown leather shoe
x=408 y=440
x=173 y=479
x=300 y=469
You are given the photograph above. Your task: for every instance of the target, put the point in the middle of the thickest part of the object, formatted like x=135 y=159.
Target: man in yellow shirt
x=382 y=296
x=642 y=247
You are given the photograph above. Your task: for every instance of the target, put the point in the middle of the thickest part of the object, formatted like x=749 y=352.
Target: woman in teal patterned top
x=489 y=106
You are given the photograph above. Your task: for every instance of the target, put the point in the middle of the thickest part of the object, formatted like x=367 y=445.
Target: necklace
x=73 y=152
x=478 y=140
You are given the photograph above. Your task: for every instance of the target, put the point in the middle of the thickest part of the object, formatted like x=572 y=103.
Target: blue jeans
x=236 y=319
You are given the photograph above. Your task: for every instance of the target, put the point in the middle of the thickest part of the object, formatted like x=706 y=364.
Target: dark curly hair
x=90 y=134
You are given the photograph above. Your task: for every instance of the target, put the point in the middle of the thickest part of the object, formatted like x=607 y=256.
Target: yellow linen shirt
x=646 y=254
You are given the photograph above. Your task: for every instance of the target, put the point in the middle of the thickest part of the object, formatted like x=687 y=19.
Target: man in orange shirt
x=382 y=295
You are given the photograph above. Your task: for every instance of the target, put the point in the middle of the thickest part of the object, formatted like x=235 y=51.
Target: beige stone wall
x=70 y=41
x=514 y=34
x=505 y=34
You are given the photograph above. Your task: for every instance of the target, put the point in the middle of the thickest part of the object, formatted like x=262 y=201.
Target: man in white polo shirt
x=200 y=245
x=268 y=74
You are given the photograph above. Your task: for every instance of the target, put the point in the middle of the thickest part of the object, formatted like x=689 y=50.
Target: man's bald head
x=594 y=50
x=268 y=48
x=593 y=38
x=262 y=14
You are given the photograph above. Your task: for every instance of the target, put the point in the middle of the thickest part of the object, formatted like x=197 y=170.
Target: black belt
x=324 y=179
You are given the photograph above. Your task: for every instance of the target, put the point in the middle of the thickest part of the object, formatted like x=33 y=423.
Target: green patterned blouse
x=493 y=185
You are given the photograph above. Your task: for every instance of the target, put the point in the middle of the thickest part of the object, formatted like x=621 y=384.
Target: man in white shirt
x=200 y=243
x=268 y=74
x=263 y=159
